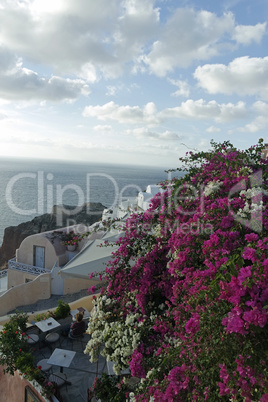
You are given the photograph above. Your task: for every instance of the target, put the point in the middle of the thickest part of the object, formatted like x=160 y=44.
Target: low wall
x=74 y=285
x=26 y=293
x=85 y=302
x=17 y=277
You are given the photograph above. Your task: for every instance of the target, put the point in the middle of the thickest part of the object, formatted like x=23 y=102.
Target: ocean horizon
x=30 y=187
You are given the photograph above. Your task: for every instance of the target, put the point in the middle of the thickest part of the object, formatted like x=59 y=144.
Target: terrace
x=78 y=374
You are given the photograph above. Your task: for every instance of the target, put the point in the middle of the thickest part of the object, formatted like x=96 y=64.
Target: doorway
x=39 y=257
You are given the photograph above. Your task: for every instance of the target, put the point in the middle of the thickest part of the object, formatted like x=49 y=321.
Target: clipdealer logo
x=251 y=216
x=49 y=194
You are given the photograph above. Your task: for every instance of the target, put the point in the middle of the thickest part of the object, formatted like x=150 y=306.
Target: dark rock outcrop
x=61 y=216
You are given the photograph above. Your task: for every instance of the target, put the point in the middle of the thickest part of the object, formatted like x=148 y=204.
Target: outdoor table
x=62 y=358
x=80 y=310
x=47 y=325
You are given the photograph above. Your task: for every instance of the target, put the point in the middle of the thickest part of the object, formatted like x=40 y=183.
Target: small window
x=30 y=395
x=28 y=280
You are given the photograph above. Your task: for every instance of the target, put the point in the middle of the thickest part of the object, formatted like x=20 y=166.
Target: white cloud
x=87 y=37
x=246 y=34
x=145 y=133
x=111 y=90
x=187 y=36
x=201 y=110
x=260 y=122
x=39 y=7
x=190 y=109
x=105 y=128
x=183 y=88
x=88 y=72
x=66 y=38
x=95 y=38
x=213 y=129
x=20 y=83
x=53 y=51
x=3 y=116
x=243 y=76
x=261 y=107
x=256 y=125
x=123 y=114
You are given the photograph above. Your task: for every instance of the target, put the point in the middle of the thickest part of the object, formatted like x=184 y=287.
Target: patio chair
x=32 y=339
x=34 y=342
x=59 y=379
x=45 y=367
x=52 y=338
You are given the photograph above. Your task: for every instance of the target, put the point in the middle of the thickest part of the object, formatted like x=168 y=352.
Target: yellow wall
x=22 y=294
x=74 y=285
x=16 y=277
x=26 y=293
x=85 y=302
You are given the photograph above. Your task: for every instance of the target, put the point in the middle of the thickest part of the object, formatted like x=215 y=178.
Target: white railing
x=3 y=273
x=12 y=264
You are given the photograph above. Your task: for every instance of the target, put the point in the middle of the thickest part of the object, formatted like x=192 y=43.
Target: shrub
x=15 y=352
x=19 y=320
x=42 y=316
x=13 y=343
x=62 y=311
x=186 y=303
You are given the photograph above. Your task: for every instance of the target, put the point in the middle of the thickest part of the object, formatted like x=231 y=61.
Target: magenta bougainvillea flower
x=185 y=307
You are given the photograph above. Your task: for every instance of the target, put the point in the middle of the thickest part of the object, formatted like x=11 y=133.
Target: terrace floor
x=81 y=373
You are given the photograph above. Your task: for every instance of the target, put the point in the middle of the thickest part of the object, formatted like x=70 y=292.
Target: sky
x=131 y=81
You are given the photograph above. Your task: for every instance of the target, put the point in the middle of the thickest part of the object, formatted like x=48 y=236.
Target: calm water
x=29 y=187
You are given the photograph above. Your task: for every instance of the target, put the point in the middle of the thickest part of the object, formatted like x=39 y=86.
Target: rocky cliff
x=59 y=217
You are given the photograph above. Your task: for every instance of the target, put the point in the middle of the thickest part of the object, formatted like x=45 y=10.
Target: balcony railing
x=12 y=264
x=3 y=273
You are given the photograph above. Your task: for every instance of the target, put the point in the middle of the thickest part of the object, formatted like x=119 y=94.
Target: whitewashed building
x=132 y=204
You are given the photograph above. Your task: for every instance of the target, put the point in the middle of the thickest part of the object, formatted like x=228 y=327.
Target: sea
x=30 y=187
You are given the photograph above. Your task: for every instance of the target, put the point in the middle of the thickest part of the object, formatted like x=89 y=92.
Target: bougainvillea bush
x=186 y=303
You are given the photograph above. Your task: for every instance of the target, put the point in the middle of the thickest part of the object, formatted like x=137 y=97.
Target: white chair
x=51 y=338
x=45 y=367
x=32 y=339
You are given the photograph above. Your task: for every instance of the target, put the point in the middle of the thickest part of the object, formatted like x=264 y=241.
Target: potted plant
x=70 y=240
x=62 y=311
x=42 y=316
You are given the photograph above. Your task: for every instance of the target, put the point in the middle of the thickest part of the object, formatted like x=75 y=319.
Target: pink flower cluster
x=207 y=291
